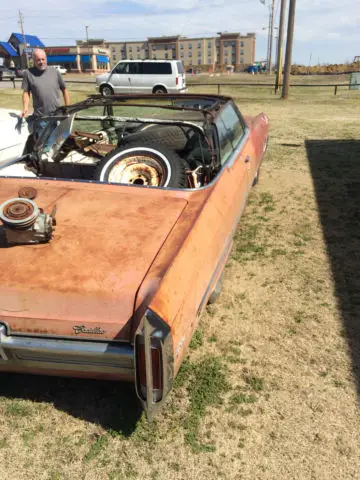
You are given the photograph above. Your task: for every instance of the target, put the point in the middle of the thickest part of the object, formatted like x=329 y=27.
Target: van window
x=135 y=68
x=122 y=68
x=180 y=67
x=158 y=68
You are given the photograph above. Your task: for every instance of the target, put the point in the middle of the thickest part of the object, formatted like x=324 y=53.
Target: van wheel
x=146 y=164
x=159 y=90
x=106 y=91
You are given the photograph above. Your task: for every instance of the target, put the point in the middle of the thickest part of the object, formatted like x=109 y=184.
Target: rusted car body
x=117 y=289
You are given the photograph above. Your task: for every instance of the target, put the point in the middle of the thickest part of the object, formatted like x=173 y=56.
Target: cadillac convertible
x=117 y=220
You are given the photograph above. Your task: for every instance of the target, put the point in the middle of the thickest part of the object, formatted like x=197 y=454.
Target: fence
x=229 y=84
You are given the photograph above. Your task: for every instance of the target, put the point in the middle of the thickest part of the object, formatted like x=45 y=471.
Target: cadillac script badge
x=93 y=331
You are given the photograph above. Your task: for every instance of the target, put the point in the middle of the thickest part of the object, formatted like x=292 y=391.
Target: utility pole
x=24 y=38
x=87 y=42
x=271 y=34
x=279 y=53
x=289 y=44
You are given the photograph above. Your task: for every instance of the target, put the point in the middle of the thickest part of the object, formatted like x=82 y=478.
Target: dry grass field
x=270 y=388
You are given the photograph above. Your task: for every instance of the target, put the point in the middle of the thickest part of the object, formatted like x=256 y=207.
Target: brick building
x=203 y=53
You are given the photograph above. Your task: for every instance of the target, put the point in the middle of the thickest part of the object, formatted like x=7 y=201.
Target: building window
x=113 y=49
x=114 y=57
x=154 y=57
x=138 y=49
x=226 y=60
x=241 y=52
x=199 y=62
x=226 y=44
x=199 y=54
x=131 y=57
x=154 y=48
x=199 y=44
x=138 y=57
x=190 y=62
x=166 y=56
x=241 y=60
x=190 y=46
x=209 y=44
x=182 y=54
x=181 y=47
x=241 y=44
x=165 y=47
x=218 y=44
x=174 y=55
x=209 y=60
x=189 y=54
x=130 y=49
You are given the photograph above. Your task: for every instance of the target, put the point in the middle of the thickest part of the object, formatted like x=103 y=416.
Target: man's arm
x=25 y=103
x=26 y=95
x=66 y=96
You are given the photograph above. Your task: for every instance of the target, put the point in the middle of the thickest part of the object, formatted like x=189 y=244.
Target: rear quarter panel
x=196 y=251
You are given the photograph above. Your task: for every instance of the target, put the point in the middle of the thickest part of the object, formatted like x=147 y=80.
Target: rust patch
x=27 y=192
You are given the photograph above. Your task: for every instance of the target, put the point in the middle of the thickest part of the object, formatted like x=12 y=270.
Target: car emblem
x=82 y=329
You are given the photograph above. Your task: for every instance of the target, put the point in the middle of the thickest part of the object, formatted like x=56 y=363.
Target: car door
x=120 y=78
x=137 y=84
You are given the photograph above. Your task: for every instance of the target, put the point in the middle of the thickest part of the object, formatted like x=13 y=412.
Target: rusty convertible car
x=116 y=225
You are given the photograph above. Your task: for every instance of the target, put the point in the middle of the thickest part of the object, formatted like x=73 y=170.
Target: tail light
x=154 y=362
x=177 y=80
x=156 y=369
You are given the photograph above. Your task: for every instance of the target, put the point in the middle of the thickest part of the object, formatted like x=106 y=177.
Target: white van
x=60 y=69
x=143 y=76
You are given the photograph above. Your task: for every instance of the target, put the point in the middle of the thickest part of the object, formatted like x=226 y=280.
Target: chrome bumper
x=95 y=358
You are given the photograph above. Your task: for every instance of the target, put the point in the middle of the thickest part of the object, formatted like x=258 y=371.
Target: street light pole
x=271 y=33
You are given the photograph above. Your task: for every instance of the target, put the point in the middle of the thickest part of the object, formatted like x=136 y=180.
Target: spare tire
x=145 y=164
x=172 y=137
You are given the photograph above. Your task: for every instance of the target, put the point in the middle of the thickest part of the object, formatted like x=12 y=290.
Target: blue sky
x=326 y=31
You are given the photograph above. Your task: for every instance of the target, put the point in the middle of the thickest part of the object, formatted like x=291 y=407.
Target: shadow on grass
x=113 y=405
x=335 y=167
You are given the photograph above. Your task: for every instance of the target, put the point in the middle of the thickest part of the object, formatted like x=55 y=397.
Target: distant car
x=193 y=71
x=19 y=73
x=143 y=76
x=147 y=192
x=60 y=69
x=252 y=69
x=6 y=73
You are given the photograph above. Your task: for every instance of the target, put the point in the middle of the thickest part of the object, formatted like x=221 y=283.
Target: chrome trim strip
x=60 y=337
x=65 y=354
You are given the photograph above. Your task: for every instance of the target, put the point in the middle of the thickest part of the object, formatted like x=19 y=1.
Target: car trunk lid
x=83 y=282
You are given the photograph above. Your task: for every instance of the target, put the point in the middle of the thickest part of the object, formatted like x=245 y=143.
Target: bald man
x=45 y=85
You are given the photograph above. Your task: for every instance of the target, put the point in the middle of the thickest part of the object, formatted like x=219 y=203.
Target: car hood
x=83 y=283
x=102 y=78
